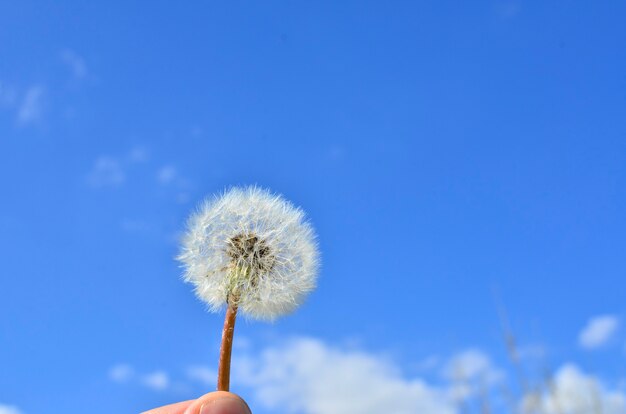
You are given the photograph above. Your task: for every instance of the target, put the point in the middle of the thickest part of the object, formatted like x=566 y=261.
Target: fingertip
x=219 y=402
x=178 y=408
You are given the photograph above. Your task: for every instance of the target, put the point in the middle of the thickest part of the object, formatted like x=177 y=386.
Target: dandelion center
x=251 y=252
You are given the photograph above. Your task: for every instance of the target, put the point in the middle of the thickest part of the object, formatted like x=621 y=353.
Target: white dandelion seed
x=249 y=250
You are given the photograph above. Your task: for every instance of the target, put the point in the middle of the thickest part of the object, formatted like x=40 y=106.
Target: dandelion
x=252 y=251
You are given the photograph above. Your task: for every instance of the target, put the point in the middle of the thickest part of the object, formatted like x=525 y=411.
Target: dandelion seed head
x=252 y=247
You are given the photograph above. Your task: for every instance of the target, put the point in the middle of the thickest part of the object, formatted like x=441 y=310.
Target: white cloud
x=75 y=63
x=573 y=391
x=27 y=105
x=157 y=380
x=9 y=409
x=106 y=172
x=30 y=107
x=204 y=375
x=112 y=172
x=121 y=373
x=109 y=171
x=598 y=331
x=125 y=374
x=470 y=373
x=166 y=175
x=169 y=176
x=138 y=154
x=308 y=376
x=470 y=365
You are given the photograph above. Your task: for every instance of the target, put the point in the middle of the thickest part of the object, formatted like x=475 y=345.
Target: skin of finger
x=211 y=397
x=178 y=408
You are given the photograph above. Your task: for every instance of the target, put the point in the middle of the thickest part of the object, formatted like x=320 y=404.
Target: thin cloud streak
x=166 y=175
x=9 y=409
x=598 y=331
x=121 y=373
x=158 y=380
x=75 y=63
x=106 y=172
x=31 y=107
x=204 y=375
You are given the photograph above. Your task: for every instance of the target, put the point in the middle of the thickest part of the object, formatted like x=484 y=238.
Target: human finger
x=218 y=402
x=178 y=408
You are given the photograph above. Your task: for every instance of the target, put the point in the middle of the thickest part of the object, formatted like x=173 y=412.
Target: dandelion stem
x=226 y=350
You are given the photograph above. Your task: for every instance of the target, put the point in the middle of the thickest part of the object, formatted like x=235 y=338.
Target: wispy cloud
x=31 y=105
x=204 y=375
x=9 y=409
x=169 y=176
x=111 y=171
x=121 y=373
x=470 y=373
x=26 y=104
x=138 y=155
x=125 y=374
x=166 y=175
x=106 y=172
x=472 y=364
x=29 y=102
x=75 y=63
x=598 y=331
x=158 y=380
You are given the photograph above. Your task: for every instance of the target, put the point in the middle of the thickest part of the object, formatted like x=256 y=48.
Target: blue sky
x=454 y=158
